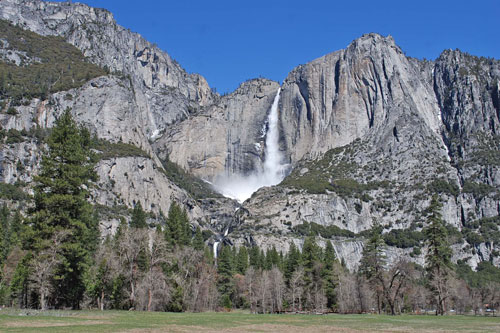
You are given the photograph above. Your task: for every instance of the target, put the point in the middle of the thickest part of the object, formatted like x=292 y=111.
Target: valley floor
x=125 y=321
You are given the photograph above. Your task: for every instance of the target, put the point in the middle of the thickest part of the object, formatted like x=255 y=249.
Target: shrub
x=443 y=186
x=12 y=192
x=479 y=190
x=12 y=111
x=111 y=150
x=403 y=238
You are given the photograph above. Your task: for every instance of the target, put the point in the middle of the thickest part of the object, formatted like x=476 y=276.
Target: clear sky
x=229 y=42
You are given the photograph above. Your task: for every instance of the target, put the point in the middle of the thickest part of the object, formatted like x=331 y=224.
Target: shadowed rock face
x=401 y=129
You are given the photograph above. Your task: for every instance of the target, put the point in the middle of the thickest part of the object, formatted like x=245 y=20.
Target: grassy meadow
x=124 y=321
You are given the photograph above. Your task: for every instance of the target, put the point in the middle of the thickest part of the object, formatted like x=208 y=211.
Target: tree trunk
x=149 y=299
x=391 y=305
x=102 y=300
x=43 y=301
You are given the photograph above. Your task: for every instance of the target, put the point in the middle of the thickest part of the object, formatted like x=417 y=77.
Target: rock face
x=164 y=92
x=367 y=88
x=371 y=135
x=228 y=137
x=406 y=128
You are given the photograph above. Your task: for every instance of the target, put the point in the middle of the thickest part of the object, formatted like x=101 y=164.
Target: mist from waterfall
x=272 y=172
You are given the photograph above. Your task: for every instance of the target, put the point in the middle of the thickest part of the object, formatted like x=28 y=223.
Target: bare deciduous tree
x=153 y=284
x=130 y=245
x=276 y=289
x=252 y=281
x=297 y=288
x=44 y=265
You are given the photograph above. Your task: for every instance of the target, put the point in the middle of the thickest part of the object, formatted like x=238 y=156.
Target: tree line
x=54 y=257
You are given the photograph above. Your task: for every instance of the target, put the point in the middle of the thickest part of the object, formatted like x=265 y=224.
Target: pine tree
x=292 y=261
x=272 y=258
x=186 y=229
x=4 y=232
x=198 y=243
x=138 y=219
x=373 y=263
x=254 y=257
x=310 y=254
x=122 y=227
x=242 y=260
x=373 y=259
x=177 y=229
x=330 y=277
x=438 y=258
x=225 y=275
x=61 y=205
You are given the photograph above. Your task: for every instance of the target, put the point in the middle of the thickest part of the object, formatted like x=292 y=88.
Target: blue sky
x=229 y=42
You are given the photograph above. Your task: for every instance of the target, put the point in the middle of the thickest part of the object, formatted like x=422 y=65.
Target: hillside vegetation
x=33 y=66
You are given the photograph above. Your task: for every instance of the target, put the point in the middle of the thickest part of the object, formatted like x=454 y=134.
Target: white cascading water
x=241 y=187
x=216 y=245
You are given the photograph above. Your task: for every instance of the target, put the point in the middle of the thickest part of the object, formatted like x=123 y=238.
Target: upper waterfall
x=272 y=172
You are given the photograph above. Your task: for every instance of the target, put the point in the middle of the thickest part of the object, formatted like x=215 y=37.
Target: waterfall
x=216 y=244
x=273 y=169
x=272 y=172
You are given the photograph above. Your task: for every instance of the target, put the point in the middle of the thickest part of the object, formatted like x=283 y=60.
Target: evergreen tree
x=234 y=258
x=438 y=258
x=186 y=227
x=177 y=229
x=198 y=243
x=138 y=219
x=4 y=232
x=373 y=259
x=292 y=262
x=18 y=288
x=254 y=257
x=176 y=303
x=311 y=253
x=61 y=205
x=272 y=258
x=225 y=275
x=122 y=227
x=262 y=259
x=373 y=263
x=330 y=276
x=242 y=260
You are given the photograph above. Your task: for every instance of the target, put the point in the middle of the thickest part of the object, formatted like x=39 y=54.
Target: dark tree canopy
x=61 y=193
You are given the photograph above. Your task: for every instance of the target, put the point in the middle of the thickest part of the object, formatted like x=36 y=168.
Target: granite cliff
x=370 y=135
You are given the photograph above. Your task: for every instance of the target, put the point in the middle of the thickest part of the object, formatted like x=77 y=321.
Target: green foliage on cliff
x=404 y=238
x=479 y=190
x=12 y=192
x=443 y=186
x=109 y=149
x=482 y=230
x=193 y=185
x=48 y=65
